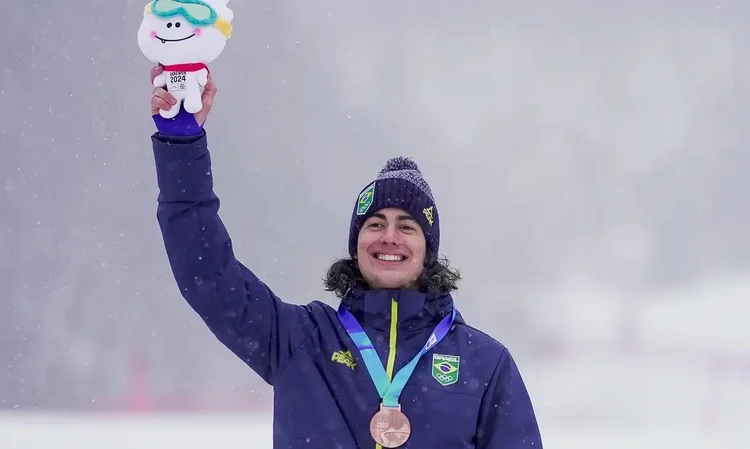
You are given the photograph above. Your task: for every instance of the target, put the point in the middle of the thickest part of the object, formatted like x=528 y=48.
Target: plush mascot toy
x=184 y=36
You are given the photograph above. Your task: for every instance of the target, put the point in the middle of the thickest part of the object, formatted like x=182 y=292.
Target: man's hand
x=162 y=99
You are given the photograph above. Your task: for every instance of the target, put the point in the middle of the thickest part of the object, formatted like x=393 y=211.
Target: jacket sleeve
x=238 y=308
x=507 y=419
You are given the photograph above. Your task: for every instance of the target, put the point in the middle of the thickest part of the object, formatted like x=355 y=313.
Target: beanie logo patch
x=427 y=211
x=365 y=199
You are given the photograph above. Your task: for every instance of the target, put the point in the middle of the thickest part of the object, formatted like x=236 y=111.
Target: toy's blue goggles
x=196 y=12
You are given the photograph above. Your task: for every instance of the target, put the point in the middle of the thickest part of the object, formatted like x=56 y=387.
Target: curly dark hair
x=436 y=278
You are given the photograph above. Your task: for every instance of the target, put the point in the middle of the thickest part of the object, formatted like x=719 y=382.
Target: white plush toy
x=184 y=36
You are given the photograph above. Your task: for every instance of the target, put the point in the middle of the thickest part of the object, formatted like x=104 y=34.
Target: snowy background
x=590 y=164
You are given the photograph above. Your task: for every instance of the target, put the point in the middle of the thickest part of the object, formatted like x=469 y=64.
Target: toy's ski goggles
x=196 y=12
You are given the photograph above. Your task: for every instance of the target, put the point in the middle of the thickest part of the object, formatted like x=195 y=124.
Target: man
x=394 y=366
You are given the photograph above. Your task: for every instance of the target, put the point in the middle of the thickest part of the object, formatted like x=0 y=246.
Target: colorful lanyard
x=389 y=391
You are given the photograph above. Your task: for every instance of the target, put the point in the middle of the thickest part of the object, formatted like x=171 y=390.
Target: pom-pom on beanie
x=399 y=184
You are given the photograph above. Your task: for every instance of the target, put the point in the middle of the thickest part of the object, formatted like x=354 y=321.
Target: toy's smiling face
x=181 y=31
x=175 y=32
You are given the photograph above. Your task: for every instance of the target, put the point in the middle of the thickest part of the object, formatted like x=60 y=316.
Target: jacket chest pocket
x=443 y=418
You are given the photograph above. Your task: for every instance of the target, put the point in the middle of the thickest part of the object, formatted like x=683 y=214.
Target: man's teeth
x=390 y=257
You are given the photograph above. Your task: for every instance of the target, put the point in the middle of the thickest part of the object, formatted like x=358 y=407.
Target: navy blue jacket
x=323 y=395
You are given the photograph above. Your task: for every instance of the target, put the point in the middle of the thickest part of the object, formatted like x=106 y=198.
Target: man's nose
x=390 y=235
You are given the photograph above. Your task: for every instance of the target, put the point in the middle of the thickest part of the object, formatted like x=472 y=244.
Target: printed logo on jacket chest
x=445 y=368
x=345 y=358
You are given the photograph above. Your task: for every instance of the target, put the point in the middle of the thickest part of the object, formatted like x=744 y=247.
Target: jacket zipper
x=393 y=336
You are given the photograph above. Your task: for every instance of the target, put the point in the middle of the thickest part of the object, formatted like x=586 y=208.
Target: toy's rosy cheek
x=197 y=32
x=153 y=34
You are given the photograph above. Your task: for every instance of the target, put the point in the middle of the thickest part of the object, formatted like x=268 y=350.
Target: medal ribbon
x=389 y=391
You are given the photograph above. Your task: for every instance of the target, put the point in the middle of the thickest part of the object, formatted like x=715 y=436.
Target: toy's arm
x=202 y=77
x=160 y=80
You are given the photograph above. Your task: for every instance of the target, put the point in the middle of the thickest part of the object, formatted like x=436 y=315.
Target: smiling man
x=394 y=236
x=390 y=246
x=394 y=365
x=392 y=250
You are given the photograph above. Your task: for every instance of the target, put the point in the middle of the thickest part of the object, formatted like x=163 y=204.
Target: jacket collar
x=416 y=310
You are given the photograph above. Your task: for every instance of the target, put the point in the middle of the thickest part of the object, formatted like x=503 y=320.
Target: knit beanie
x=399 y=184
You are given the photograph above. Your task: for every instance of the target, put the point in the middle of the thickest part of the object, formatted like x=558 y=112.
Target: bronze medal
x=390 y=427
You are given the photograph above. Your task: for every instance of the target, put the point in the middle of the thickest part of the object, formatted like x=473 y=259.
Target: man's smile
x=173 y=40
